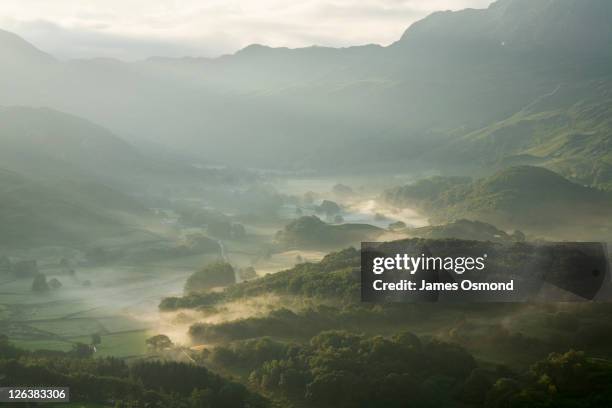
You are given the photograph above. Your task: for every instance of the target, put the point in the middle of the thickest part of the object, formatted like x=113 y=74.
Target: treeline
x=341 y=369
x=113 y=381
x=309 y=321
x=335 y=277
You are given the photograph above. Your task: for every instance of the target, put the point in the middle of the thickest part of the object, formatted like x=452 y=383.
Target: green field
x=120 y=305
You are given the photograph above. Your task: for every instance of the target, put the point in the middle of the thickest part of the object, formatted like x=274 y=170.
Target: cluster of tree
x=372 y=318
x=192 y=244
x=279 y=322
x=200 y=244
x=423 y=192
x=337 y=277
x=569 y=379
x=213 y=275
x=466 y=230
x=328 y=208
x=525 y=197
x=141 y=384
x=341 y=369
x=334 y=277
x=217 y=224
x=559 y=327
x=312 y=232
x=159 y=342
x=247 y=273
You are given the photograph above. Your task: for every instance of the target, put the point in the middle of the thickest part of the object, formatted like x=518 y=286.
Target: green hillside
x=524 y=197
x=48 y=145
x=568 y=130
x=32 y=213
x=466 y=230
x=311 y=232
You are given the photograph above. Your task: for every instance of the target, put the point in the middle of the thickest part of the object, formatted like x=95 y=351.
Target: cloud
x=136 y=29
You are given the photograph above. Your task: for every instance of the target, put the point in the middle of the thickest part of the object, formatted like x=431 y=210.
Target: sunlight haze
x=137 y=29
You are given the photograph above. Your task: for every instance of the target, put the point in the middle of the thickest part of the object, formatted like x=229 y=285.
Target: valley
x=187 y=232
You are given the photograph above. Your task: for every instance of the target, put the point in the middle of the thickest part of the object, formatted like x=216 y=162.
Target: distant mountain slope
x=451 y=74
x=568 y=130
x=18 y=51
x=526 y=197
x=38 y=140
x=33 y=213
x=359 y=108
x=554 y=26
x=45 y=144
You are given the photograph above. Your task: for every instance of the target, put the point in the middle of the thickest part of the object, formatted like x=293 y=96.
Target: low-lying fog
x=120 y=299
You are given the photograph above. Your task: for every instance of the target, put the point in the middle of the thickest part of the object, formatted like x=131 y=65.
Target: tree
x=159 y=342
x=82 y=350
x=518 y=236
x=55 y=284
x=40 y=283
x=329 y=208
x=248 y=273
x=96 y=339
x=198 y=243
x=211 y=276
x=238 y=231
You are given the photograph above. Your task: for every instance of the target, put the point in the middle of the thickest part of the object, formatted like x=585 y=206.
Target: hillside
x=311 y=232
x=48 y=145
x=566 y=130
x=46 y=142
x=35 y=214
x=525 y=197
x=557 y=27
x=356 y=108
x=466 y=230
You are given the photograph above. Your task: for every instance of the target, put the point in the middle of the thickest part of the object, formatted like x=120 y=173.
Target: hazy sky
x=135 y=29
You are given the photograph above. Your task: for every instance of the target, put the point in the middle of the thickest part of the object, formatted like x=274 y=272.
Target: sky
x=137 y=29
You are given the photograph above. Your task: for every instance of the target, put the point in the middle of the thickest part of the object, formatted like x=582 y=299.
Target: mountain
x=531 y=198
x=358 y=108
x=563 y=27
x=43 y=141
x=18 y=51
x=48 y=145
x=567 y=130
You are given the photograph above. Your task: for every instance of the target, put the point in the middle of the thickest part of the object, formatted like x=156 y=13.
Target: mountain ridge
x=316 y=104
